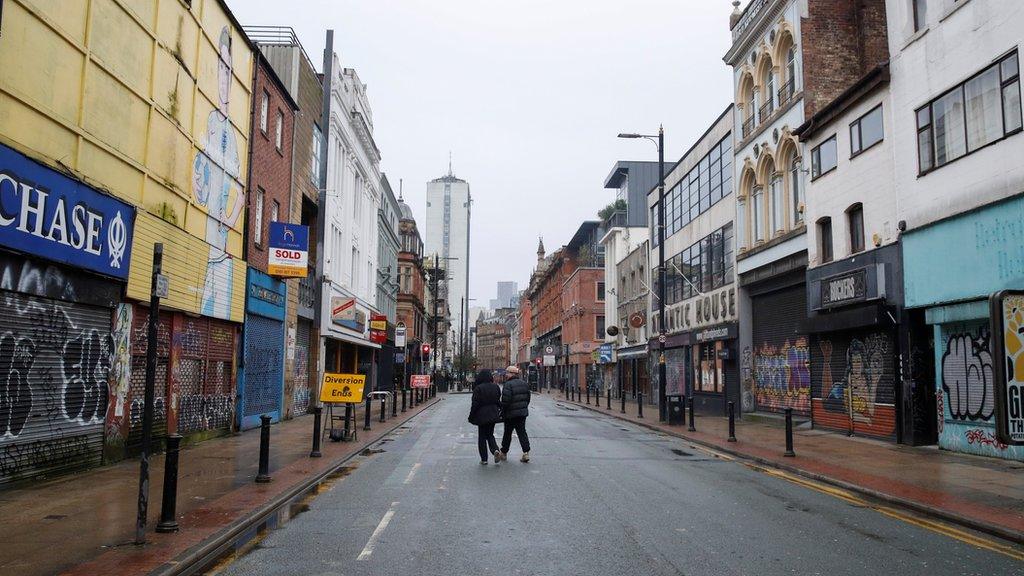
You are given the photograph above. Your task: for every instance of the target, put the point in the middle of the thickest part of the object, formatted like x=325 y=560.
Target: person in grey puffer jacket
x=515 y=403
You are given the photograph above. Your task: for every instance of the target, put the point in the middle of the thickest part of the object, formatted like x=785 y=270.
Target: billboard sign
x=1007 y=318
x=342 y=388
x=289 y=250
x=346 y=314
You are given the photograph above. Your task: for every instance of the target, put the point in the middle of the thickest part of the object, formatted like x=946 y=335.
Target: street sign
x=342 y=388
x=661 y=338
x=163 y=286
x=549 y=349
x=289 y=250
x=549 y=360
x=400 y=358
x=1007 y=317
x=400 y=336
x=419 y=381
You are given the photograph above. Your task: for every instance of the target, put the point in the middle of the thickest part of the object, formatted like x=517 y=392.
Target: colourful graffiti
x=861 y=397
x=782 y=377
x=120 y=377
x=984 y=438
x=215 y=185
x=967 y=377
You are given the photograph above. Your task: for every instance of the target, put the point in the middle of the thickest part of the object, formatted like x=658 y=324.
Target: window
x=279 y=131
x=264 y=110
x=758 y=226
x=704 y=266
x=984 y=109
x=275 y=211
x=314 y=170
x=791 y=69
x=920 y=9
x=600 y=291
x=825 y=239
x=776 y=197
x=796 y=190
x=855 y=219
x=866 y=131
x=708 y=368
x=599 y=332
x=257 y=218
x=824 y=157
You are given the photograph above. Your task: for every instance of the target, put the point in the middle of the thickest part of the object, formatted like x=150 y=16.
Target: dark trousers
x=519 y=425
x=486 y=441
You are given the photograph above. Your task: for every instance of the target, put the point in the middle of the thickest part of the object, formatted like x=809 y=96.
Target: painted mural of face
x=224 y=69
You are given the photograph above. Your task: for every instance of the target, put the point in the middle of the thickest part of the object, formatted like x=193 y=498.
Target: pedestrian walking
x=485 y=413
x=515 y=403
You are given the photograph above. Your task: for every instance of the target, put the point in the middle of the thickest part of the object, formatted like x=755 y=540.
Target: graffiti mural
x=854 y=383
x=215 y=185
x=120 y=378
x=782 y=377
x=747 y=401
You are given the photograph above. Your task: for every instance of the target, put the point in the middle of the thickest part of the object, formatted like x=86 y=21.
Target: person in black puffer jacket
x=515 y=403
x=485 y=413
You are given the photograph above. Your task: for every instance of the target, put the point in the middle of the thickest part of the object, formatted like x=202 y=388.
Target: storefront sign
x=266 y=295
x=400 y=336
x=605 y=353
x=400 y=358
x=704 y=310
x=419 y=381
x=844 y=288
x=1007 y=317
x=47 y=214
x=379 y=322
x=289 y=250
x=549 y=359
x=342 y=388
x=716 y=333
x=346 y=314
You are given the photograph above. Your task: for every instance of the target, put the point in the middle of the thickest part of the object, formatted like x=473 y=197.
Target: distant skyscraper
x=507 y=291
x=448 y=218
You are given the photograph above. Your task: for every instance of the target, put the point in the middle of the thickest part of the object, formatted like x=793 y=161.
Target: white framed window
x=264 y=111
x=279 y=131
x=257 y=217
x=314 y=170
x=824 y=158
x=776 y=194
x=919 y=13
x=275 y=211
x=796 y=190
x=758 y=214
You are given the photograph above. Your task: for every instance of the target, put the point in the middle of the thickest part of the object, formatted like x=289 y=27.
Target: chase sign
x=47 y=214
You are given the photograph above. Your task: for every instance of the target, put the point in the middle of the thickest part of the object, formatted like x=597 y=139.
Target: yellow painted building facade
x=148 y=100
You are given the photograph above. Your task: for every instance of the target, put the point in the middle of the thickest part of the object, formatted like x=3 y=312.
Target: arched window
x=778 y=216
x=753 y=103
x=796 y=191
x=791 y=65
x=758 y=214
x=769 y=92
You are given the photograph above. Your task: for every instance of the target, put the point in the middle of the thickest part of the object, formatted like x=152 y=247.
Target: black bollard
x=264 y=474
x=394 y=403
x=789 y=433
x=732 y=421
x=366 y=415
x=317 y=415
x=692 y=427
x=168 y=516
x=622 y=398
x=347 y=435
x=640 y=405
x=609 y=398
x=588 y=395
x=383 y=407
x=403 y=398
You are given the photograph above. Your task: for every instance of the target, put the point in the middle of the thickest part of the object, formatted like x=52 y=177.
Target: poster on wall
x=1007 y=317
x=289 y=250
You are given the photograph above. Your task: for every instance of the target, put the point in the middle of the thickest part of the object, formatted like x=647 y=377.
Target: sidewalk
x=986 y=494
x=85 y=523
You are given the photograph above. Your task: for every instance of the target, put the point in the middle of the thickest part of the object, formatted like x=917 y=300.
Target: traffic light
x=537 y=361
x=425 y=352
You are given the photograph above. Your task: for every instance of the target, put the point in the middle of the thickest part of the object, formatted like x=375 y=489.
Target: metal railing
x=748 y=126
x=766 y=110
x=786 y=92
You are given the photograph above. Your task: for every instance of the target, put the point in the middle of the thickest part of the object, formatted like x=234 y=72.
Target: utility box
x=675 y=410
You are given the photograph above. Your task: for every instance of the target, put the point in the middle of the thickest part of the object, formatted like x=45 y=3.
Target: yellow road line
x=1012 y=551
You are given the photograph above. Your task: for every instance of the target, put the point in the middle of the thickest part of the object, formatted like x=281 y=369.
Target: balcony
x=748 y=126
x=786 y=92
x=765 y=111
x=616 y=220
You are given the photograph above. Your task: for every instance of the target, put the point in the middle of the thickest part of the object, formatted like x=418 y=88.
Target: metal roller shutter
x=54 y=364
x=781 y=367
x=137 y=388
x=854 y=382
x=207 y=387
x=264 y=370
x=301 y=389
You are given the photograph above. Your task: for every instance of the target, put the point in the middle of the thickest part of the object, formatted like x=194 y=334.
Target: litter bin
x=675 y=410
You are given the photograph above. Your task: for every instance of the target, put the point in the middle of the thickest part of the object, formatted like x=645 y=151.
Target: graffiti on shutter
x=301 y=391
x=781 y=357
x=54 y=368
x=854 y=382
x=264 y=370
x=137 y=387
x=204 y=375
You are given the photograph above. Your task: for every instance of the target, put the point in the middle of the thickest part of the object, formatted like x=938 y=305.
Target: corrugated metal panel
x=782 y=361
x=189 y=263
x=54 y=367
x=137 y=389
x=264 y=369
x=853 y=382
x=301 y=389
x=206 y=386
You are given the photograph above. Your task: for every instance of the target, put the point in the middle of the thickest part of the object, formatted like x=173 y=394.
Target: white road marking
x=412 y=473
x=368 y=549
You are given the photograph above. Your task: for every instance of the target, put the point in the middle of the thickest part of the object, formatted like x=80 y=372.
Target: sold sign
x=289 y=250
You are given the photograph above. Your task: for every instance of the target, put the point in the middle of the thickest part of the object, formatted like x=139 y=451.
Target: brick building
x=492 y=341
x=412 y=312
x=545 y=296
x=583 y=293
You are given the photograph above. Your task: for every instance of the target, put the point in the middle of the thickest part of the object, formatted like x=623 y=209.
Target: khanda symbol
x=117 y=240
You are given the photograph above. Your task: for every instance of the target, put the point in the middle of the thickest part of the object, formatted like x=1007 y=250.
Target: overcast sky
x=528 y=96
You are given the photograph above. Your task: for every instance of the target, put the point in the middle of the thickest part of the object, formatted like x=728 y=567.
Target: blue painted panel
x=47 y=214
x=265 y=296
x=970 y=256
x=262 y=383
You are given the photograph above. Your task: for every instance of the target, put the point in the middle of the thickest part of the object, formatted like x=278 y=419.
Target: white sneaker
x=497 y=456
x=525 y=458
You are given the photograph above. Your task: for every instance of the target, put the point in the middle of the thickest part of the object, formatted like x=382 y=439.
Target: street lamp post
x=660 y=142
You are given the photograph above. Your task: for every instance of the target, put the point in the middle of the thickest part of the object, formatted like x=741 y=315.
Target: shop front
x=854 y=306
x=347 y=347
x=633 y=371
x=951 y=268
x=715 y=377
x=262 y=371
x=64 y=260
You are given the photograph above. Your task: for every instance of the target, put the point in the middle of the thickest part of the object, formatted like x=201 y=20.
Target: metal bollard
x=588 y=395
x=609 y=398
x=264 y=473
x=622 y=398
x=640 y=405
x=383 y=407
x=317 y=415
x=692 y=427
x=394 y=403
x=732 y=421
x=789 y=433
x=168 y=516
x=347 y=434
x=403 y=398
x=366 y=414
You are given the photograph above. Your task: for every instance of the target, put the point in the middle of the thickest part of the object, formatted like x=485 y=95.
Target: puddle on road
x=372 y=451
x=679 y=452
x=252 y=538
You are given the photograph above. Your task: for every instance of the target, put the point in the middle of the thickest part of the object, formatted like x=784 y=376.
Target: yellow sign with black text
x=342 y=388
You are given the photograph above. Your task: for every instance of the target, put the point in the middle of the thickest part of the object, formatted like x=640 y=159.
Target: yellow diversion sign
x=340 y=388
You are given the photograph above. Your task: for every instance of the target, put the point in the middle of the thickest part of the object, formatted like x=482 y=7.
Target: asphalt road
x=600 y=497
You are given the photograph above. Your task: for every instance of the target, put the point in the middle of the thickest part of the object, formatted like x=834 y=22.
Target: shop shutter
x=853 y=376
x=264 y=369
x=54 y=364
x=137 y=388
x=301 y=389
x=781 y=367
x=206 y=387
